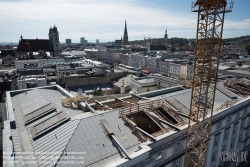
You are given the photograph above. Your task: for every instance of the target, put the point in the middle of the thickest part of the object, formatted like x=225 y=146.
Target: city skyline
x=104 y=20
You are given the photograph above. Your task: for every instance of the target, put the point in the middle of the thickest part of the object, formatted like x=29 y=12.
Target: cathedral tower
x=125 y=36
x=54 y=40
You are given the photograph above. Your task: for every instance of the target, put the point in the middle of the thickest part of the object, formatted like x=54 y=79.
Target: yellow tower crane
x=210 y=22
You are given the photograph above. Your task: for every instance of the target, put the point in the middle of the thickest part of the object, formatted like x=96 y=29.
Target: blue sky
x=104 y=19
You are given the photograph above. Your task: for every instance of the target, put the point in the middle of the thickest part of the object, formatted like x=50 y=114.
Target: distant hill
x=183 y=41
x=8 y=43
x=239 y=40
x=159 y=41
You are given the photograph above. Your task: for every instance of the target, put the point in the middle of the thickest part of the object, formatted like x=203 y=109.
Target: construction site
x=170 y=127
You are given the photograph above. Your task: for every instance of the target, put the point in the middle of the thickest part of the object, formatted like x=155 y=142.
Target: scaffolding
x=73 y=102
x=151 y=109
x=239 y=86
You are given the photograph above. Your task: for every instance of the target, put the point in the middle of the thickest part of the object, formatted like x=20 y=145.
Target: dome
x=50 y=30
x=55 y=29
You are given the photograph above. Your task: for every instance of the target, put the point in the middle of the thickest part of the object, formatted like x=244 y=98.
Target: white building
x=32 y=82
x=22 y=64
x=165 y=82
x=143 y=84
x=136 y=60
x=177 y=71
x=100 y=55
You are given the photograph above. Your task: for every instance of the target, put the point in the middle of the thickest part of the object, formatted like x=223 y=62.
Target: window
x=216 y=140
x=242 y=125
x=158 y=156
x=177 y=146
x=232 y=144
x=218 y=124
x=234 y=129
x=226 y=134
x=213 y=157
x=237 y=115
x=228 y=119
x=176 y=163
x=240 y=138
x=244 y=111
x=223 y=149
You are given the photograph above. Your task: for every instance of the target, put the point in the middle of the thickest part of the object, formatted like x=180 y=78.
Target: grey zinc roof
x=184 y=97
x=53 y=141
x=91 y=138
x=55 y=96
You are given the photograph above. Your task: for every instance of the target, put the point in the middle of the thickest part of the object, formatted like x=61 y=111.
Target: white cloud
x=94 y=19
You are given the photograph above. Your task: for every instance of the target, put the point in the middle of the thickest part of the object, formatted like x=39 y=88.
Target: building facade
x=100 y=55
x=177 y=71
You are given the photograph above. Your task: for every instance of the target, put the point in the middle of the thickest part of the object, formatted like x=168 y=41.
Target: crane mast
x=210 y=22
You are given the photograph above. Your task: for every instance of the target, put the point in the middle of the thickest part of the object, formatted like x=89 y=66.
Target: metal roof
x=53 y=141
x=85 y=134
x=90 y=137
x=184 y=97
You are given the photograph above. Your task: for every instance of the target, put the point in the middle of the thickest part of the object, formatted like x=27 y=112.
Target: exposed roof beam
x=118 y=99
x=112 y=136
x=145 y=133
x=169 y=124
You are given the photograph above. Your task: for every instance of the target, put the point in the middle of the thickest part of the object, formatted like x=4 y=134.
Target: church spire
x=166 y=32
x=21 y=37
x=125 y=30
x=125 y=36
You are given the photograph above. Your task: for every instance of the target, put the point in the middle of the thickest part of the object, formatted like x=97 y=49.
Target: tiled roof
x=34 y=44
x=158 y=47
x=138 y=49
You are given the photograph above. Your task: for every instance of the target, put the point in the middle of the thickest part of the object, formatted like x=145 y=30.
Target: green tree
x=248 y=48
x=97 y=92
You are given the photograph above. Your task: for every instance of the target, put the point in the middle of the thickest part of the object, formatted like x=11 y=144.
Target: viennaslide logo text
x=237 y=156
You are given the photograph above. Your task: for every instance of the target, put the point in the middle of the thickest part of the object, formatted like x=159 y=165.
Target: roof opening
x=167 y=116
x=144 y=122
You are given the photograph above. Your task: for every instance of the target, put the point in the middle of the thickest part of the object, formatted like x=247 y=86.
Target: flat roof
x=240 y=71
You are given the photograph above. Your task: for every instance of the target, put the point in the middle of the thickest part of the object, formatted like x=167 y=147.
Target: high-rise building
x=54 y=40
x=82 y=40
x=97 y=41
x=125 y=36
x=68 y=41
